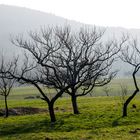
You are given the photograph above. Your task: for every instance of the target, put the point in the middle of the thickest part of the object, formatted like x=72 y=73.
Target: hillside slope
x=15 y=20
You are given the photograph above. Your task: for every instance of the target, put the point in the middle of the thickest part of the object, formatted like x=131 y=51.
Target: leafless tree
x=85 y=60
x=38 y=68
x=69 y=61
x=123 y=93
x=131 y=55
x=31 y=73
x=6 y=84
x=106 y=90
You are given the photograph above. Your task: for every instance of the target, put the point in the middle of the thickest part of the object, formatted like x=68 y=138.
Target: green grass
x=100 y=118
x=21 y=93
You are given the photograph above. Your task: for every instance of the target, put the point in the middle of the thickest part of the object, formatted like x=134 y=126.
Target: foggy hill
x=15 y=20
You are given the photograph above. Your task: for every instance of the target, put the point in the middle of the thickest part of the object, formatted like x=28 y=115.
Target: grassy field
x=21 y=93
x=100 y=118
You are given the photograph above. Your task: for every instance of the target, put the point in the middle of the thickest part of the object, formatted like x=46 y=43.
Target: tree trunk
x=6 y=107
x=127 y=102
x=51 y=112
x=74 y=105
x=125 y=109
x=131 y=97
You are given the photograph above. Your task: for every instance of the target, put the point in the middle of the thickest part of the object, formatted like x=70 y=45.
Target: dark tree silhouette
x=37 y=68
x=85 y=60
x=6 y=84
x=31 y=73
x=131 y=55
x=72 y=62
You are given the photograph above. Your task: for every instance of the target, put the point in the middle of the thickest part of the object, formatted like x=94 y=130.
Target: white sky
x=125 y=13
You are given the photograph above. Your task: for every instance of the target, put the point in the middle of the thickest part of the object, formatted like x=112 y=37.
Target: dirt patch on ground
x=23 y=111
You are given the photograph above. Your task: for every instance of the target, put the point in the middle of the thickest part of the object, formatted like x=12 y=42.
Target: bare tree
x=83 y=61
x=123 y=93
x=106 y=90
x=31 y=73
x=6 y=85
x=38 y=68
x=131 y=55
x=68 y=61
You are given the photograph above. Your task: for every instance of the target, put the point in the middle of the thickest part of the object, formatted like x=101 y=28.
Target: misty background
x=16 y=20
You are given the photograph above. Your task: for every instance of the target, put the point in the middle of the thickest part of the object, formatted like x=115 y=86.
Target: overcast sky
x=124 y=13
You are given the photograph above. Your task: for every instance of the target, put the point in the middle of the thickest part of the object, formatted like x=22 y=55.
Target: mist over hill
x=15 y=20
